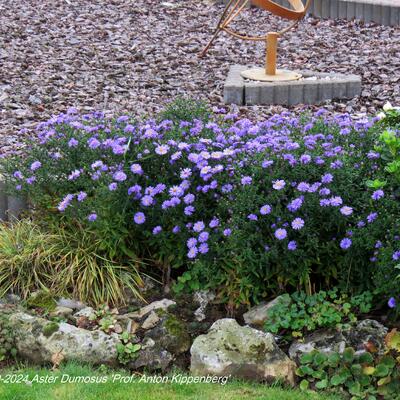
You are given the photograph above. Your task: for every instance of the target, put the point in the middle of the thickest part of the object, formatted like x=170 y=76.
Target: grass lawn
x=133 y=390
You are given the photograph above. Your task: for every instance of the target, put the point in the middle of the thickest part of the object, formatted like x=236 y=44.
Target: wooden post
x=272 y=45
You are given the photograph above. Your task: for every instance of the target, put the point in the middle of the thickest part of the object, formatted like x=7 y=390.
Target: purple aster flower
x=303 y=187
x=185 y=173
x=157 y=230
x=198 y=226
x=176 y=191
x=162 y=149
x=73 y=142
x=327 y=178
x=295 y=204
x=346 y=210
x=74 y=174
x=246 y=180
x=297 y=223
x=345 y=243
x=30 y=180
x=279 y=184
x=92 y=217
x=305 y=159
x=119 y=176
x=136 y=169
x=81 y=196
x=227 y=232
x=18 y=175
x=280 y=233
x=396 y=255
x=214 y=223
x=139 y=218
x=324 y=192
x=392 y=302
x=265 y=209
x=372 y=217
x=35 y=165
x=189 y=198
x=65 y=202
x=336 y=201
x=203 y=237
x=147 y=200
x=292 y=245
x=203 y=248
x=189 y=210
x=192 y=253
x=378 y=194
x=176 y=229
x=252 y=217
x=360 y=224
x=93 y=143
x=112 y=186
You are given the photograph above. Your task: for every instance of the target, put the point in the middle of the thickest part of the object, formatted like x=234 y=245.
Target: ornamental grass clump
x=247 y=208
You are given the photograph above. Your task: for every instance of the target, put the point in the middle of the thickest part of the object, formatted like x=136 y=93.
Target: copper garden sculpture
x=294 y=14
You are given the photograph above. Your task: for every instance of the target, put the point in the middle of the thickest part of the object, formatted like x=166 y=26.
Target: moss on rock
x=42 y=299
x=50 y=328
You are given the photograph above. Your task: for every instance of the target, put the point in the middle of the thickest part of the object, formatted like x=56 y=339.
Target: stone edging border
x=10 y=206
x=326 y=86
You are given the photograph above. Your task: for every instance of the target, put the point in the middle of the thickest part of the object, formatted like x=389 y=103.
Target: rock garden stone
x=151 y=321
x=257 y=315
x=152 y=357
x=203 y=298
x=70 y=303
x=38 y=339
x=163 y=304
x=171 y=334
x=365 y=333
x=243 y=352
x=361 y=335
x=62 y=312
x=86 y=312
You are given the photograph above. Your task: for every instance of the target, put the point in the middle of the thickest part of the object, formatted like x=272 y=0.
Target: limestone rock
x=62 y=312
x=84 y=312
x=257 y=315
x=203 y=298
x=151 y=321
x=38 y=339
x=152 y=357
x=243 y=352
x=70 y=303
x=327 y=341
x=156 y=305
x=171 y=334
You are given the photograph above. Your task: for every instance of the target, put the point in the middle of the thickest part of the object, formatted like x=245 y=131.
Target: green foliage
x=41 y=263
x=300 y=313
x=186 y=110
x=360 y=376
x=7 y=342
x=105 y=318
x=127 y=350
x=28 y=258
x=50 y=328
x=93 y=277
x=43 y=299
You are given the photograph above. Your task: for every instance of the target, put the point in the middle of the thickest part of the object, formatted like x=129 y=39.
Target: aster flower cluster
x=286 y=194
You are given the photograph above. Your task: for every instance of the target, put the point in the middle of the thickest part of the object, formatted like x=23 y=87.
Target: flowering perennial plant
x=247 y=207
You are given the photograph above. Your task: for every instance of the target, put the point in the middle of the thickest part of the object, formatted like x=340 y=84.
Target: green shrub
x=300 y=313
x=249 y=209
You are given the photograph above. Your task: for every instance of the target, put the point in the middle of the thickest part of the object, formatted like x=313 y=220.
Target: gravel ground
x=136 y=55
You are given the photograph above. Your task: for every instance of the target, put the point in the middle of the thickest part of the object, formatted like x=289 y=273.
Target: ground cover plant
x=249 y=209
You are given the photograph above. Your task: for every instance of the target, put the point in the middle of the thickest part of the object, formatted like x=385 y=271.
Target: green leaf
x=365 y=358
x=355 y=388
x=306 y=358
x=304 y=384
x=338 y=380
x=322 y=384
x=381 y=370
x=320 y=358
x=348 y=355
